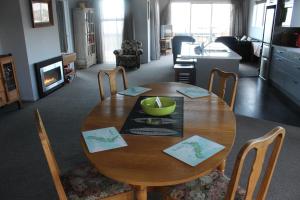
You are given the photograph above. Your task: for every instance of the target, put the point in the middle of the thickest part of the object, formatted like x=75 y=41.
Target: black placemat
x=139 y=123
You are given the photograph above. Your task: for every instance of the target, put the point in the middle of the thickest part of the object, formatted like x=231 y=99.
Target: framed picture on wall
x=41 y=13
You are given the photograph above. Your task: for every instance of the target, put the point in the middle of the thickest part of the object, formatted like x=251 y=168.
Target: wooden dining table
x=143 y=163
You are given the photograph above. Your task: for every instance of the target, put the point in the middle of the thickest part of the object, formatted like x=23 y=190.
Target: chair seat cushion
x=85 y=183
x=209 y=187
x=128 y=57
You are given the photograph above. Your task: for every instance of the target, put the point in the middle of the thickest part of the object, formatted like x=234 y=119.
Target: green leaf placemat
x=194 y=92
x=134 y=91
x=194 y=150
x=103 y=139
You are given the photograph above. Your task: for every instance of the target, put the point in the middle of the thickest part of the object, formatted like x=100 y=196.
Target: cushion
x=210 y=187
x=85 y=183
x=128 y=58
x=244 y=38
x=131 y=46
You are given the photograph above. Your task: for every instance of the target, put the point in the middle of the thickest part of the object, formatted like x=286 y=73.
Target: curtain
x=99 y=52
x=155 y=30
x=128 y=29
x=111 y=28
x=165 y=15
x=239 y=24
x=204 y=1
x=62 y=26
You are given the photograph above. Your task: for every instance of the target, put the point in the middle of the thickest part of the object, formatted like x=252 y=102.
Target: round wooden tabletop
x=143 y=162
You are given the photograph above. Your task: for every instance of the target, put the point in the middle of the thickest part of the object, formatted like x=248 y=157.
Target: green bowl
x=150 y=107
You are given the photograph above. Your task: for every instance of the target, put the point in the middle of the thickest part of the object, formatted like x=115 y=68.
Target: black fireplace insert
x=49 y=74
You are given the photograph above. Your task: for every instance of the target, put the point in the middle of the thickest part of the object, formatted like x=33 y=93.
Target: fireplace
x=49 y=74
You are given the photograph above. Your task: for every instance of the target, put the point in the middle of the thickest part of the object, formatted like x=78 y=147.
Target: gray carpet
x=23 y=170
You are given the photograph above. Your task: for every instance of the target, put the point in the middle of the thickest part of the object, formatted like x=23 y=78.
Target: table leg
x=141 y=192
x=221 y=167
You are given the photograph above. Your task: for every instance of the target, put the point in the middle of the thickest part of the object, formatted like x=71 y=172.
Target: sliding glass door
x=112 y=20
x=204 y=21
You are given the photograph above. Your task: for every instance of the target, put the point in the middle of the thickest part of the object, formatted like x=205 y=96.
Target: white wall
x=12 y=40
x=41 y=43
x=28 y=45
x=296 y=14
x=254 y=32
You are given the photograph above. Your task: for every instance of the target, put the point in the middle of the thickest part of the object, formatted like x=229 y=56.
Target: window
x=204 y=21
x=112 y=20
x=258 y=15
x=180 y=17
x=288 y=17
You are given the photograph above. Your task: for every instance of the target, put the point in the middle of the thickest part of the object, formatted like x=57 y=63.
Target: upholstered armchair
x=129 y=54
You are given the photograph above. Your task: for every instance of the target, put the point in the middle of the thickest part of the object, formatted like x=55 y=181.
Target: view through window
x=258 y=15
x=204 y=21
x=112 y=20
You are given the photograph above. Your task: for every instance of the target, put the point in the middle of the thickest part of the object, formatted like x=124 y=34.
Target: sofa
x=241 y=46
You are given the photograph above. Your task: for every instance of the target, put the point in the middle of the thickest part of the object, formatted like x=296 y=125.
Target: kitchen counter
x=214 y=50
x=215 y=55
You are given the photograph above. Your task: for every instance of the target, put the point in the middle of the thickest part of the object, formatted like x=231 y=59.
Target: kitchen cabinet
x=285 y=71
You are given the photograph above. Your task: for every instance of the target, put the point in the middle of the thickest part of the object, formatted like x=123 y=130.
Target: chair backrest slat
x=261 y=146
x=223 y=78
x=52 y=163
x=112 y=76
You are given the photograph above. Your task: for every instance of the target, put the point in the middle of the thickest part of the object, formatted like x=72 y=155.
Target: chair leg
x=20 y=104
x=222 y=166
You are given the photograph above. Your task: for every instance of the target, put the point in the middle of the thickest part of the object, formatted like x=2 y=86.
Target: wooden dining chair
x=112 y=76
x=221 y=91
x=223 y=78
x=217 y=186
x=83 y=182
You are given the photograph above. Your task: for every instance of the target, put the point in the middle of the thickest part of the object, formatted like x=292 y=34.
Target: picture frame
x=41 y=13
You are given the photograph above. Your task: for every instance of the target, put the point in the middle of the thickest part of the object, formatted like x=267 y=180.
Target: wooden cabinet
x=285 y=71
x=9 y=88
x=69 y=71
x=165 y=46
x=84 y=36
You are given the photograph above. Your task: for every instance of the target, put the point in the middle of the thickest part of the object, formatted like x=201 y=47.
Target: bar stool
x=190 y=61
x=185 y=71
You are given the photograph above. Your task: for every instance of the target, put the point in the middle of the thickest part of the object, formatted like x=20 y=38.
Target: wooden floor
x=257 y=99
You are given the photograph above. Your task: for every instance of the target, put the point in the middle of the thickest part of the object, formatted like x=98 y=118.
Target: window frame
x=191 y=3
